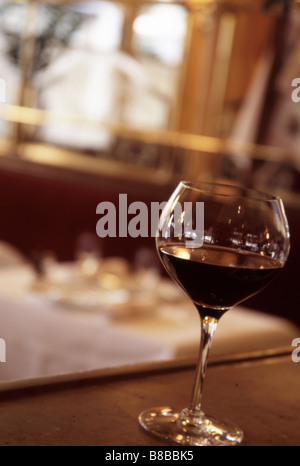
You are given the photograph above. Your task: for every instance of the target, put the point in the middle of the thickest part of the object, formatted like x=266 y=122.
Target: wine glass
x=221 y=244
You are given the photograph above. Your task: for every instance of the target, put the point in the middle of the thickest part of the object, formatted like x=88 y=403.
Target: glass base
x=186 y=428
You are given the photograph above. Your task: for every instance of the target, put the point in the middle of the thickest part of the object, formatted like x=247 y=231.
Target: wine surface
x=218 y=278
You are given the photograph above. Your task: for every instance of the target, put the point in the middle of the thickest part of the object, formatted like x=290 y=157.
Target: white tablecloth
x=43 y=338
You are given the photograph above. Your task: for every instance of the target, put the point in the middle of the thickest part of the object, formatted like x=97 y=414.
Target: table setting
x=100 y=312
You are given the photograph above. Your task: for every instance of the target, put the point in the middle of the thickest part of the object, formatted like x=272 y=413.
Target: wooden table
x=260 y=392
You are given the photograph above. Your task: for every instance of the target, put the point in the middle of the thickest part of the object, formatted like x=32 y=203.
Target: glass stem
x=208 y=327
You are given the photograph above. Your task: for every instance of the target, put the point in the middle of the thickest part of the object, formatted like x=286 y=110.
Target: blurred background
x=99 y=98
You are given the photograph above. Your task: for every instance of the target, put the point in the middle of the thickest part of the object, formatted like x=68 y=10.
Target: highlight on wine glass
x=221 y=244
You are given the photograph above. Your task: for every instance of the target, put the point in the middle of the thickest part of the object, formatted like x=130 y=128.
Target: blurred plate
x=113 y=288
